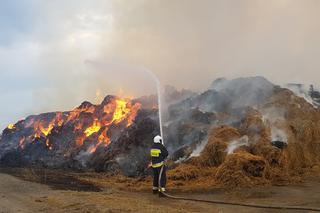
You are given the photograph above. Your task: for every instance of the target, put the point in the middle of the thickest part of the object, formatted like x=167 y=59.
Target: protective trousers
x=159 y=178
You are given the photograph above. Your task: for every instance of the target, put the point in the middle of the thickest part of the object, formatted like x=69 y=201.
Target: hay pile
x=242 y=169
x=259 y=162
x=186 y=172
x=214 y=152
x=303 y=130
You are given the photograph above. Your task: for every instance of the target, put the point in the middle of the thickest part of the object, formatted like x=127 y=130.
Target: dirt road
x=22 y=196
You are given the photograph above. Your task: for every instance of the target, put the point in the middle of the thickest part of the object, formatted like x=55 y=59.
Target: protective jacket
x=158 y=154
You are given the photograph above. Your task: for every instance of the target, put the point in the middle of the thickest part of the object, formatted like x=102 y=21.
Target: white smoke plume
x=275 y=116
x=233 y=145
x=302 y=91
x=196 y=152
x=278 y=135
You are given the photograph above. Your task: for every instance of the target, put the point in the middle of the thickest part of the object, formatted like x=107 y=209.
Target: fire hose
x=250 y=205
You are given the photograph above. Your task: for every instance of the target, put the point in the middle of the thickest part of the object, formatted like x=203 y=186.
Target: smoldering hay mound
x=240 y=132
x=276 y=141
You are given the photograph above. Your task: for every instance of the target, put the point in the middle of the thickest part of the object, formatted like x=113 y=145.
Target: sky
x=56 y=54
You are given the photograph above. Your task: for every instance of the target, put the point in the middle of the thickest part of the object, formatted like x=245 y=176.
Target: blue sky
x=45 y=46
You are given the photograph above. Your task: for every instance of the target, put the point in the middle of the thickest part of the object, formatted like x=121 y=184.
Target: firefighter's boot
x=155 y=190
x=161 y=192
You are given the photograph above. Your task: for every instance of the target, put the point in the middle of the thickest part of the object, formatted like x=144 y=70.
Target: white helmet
x=157 y=139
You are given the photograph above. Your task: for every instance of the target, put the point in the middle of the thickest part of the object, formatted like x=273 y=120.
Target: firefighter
x=158 y=155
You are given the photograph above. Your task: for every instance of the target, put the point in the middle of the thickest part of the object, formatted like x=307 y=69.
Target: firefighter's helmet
x=157 y=139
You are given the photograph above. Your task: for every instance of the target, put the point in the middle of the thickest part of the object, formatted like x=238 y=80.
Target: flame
x=41 y=128
x=118 y=111
x=73 y=115
x=133 y=114
x=121 y=111
x=46 y=131
x=11 y=126
x=103 y=139
x=93 y=129
x=59 y=119
x=93 y=148
x=36 y=135
x=76 y=112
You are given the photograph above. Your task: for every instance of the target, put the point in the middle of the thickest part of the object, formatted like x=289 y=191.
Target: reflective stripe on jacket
x=156 y=165
x=158 y=154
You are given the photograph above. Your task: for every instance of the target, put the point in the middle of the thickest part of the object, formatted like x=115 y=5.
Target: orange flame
x=46 y=131
x=93 y=148
x=41 y=128
x=11 y=126
x=76 y=112
x=103 y=139
x=133 y=113
x=93 y=129
x=118 y=110
x=121 y=111
x=59 y=119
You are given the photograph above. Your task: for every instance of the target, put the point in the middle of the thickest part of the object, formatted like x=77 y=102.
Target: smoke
x=302 y=90
x=273 y=114
x=233 y=145
x=275 y=39
x=278 y=135
x=196 y=152
x=179 y=41
x=275 y=117
x=186 y=44
x=244 y=91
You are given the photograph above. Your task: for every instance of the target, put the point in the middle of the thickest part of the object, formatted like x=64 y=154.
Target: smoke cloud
x=44 y=47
